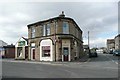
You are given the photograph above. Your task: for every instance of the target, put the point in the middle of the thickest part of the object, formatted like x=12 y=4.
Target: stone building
x=110 y=44
x=55 y=39
x=117 y=42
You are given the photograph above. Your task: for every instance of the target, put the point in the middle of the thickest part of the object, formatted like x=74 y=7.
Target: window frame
x=46 y=52
x=65 y=28
x=48 y=29
x=33 y=32
x=44 y=30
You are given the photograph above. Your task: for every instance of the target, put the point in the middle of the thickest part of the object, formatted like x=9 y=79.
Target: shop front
x=66 y=56
x=46 y=50
x=20 y=49
x=33 y=51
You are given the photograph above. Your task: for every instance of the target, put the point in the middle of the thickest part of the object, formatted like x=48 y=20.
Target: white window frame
x=48 y=29
x=44 y=30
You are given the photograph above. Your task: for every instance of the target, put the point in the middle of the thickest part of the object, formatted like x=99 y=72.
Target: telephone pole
x=89 y=45
x=88 y=40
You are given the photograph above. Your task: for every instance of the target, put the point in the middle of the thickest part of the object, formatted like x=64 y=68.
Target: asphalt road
x=104 y=66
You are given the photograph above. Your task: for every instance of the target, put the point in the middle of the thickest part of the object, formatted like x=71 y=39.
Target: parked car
x=111 y=52
x=93 y=54
x=116 y=53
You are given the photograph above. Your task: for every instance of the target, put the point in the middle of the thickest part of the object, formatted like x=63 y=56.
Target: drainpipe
x=55 y=40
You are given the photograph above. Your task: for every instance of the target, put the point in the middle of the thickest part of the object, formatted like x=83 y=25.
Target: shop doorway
x=65 y=54
x=33 y=53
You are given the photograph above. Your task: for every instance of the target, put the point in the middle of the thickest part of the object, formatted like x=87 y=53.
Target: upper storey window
x=65 y=28
x=46 y=29
x=33 y=32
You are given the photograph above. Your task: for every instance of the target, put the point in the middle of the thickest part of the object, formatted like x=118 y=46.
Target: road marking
x=115 y=62
x=87 y=60
x=112 y=60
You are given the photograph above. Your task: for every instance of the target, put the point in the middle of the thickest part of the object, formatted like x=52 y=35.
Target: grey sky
x=100 y=18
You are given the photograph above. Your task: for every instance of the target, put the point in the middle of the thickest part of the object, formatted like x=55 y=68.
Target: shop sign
x=46 y=47
x=21 y=43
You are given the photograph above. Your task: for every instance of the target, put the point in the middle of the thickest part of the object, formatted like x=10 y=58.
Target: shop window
x=45 y=51
x=65 y=28
x=19 y=52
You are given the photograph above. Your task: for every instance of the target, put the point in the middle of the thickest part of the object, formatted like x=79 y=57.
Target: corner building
x=55 y=39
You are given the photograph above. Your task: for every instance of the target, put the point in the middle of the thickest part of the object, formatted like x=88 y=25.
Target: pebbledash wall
x=55 y=39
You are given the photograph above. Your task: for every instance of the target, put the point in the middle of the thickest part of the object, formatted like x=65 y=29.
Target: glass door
x=65 y=53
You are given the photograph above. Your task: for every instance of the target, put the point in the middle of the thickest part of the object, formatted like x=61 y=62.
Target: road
x=104 y=66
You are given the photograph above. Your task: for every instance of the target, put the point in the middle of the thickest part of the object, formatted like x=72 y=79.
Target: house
x=2 y=50
x=55 y=39
x=117 y=41
x=86 y=49
x=110 y=44
x=21 y=49
x=9 y=51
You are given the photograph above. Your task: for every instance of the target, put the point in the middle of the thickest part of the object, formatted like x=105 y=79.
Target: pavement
x=81 y=60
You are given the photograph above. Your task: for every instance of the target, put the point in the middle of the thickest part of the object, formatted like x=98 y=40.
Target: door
x=65 y=54
x=33 y=53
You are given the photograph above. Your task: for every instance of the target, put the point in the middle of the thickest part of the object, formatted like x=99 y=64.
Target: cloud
x=100 y=18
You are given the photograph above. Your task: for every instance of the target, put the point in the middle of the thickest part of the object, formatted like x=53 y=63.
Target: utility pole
x=88 y=40
x=89 y=45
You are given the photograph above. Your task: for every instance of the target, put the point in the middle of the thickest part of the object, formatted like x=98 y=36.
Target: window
x=46 y=29
x=56 y=25
x=45 y=51
x=65 y=28
x=33 y=32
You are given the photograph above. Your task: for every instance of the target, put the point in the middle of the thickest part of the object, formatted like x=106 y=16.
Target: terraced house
x=55 y=39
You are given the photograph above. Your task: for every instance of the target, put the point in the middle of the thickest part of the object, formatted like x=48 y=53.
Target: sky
x=99 y=18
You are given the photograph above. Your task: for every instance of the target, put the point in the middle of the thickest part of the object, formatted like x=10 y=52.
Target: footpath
x=81 y=60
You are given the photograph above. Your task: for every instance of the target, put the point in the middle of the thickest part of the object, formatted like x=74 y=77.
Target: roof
x=110 y=41
x=62 y=16
x=2 y=43
x=25 y=38
x=117 y=36
x=9 y=46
